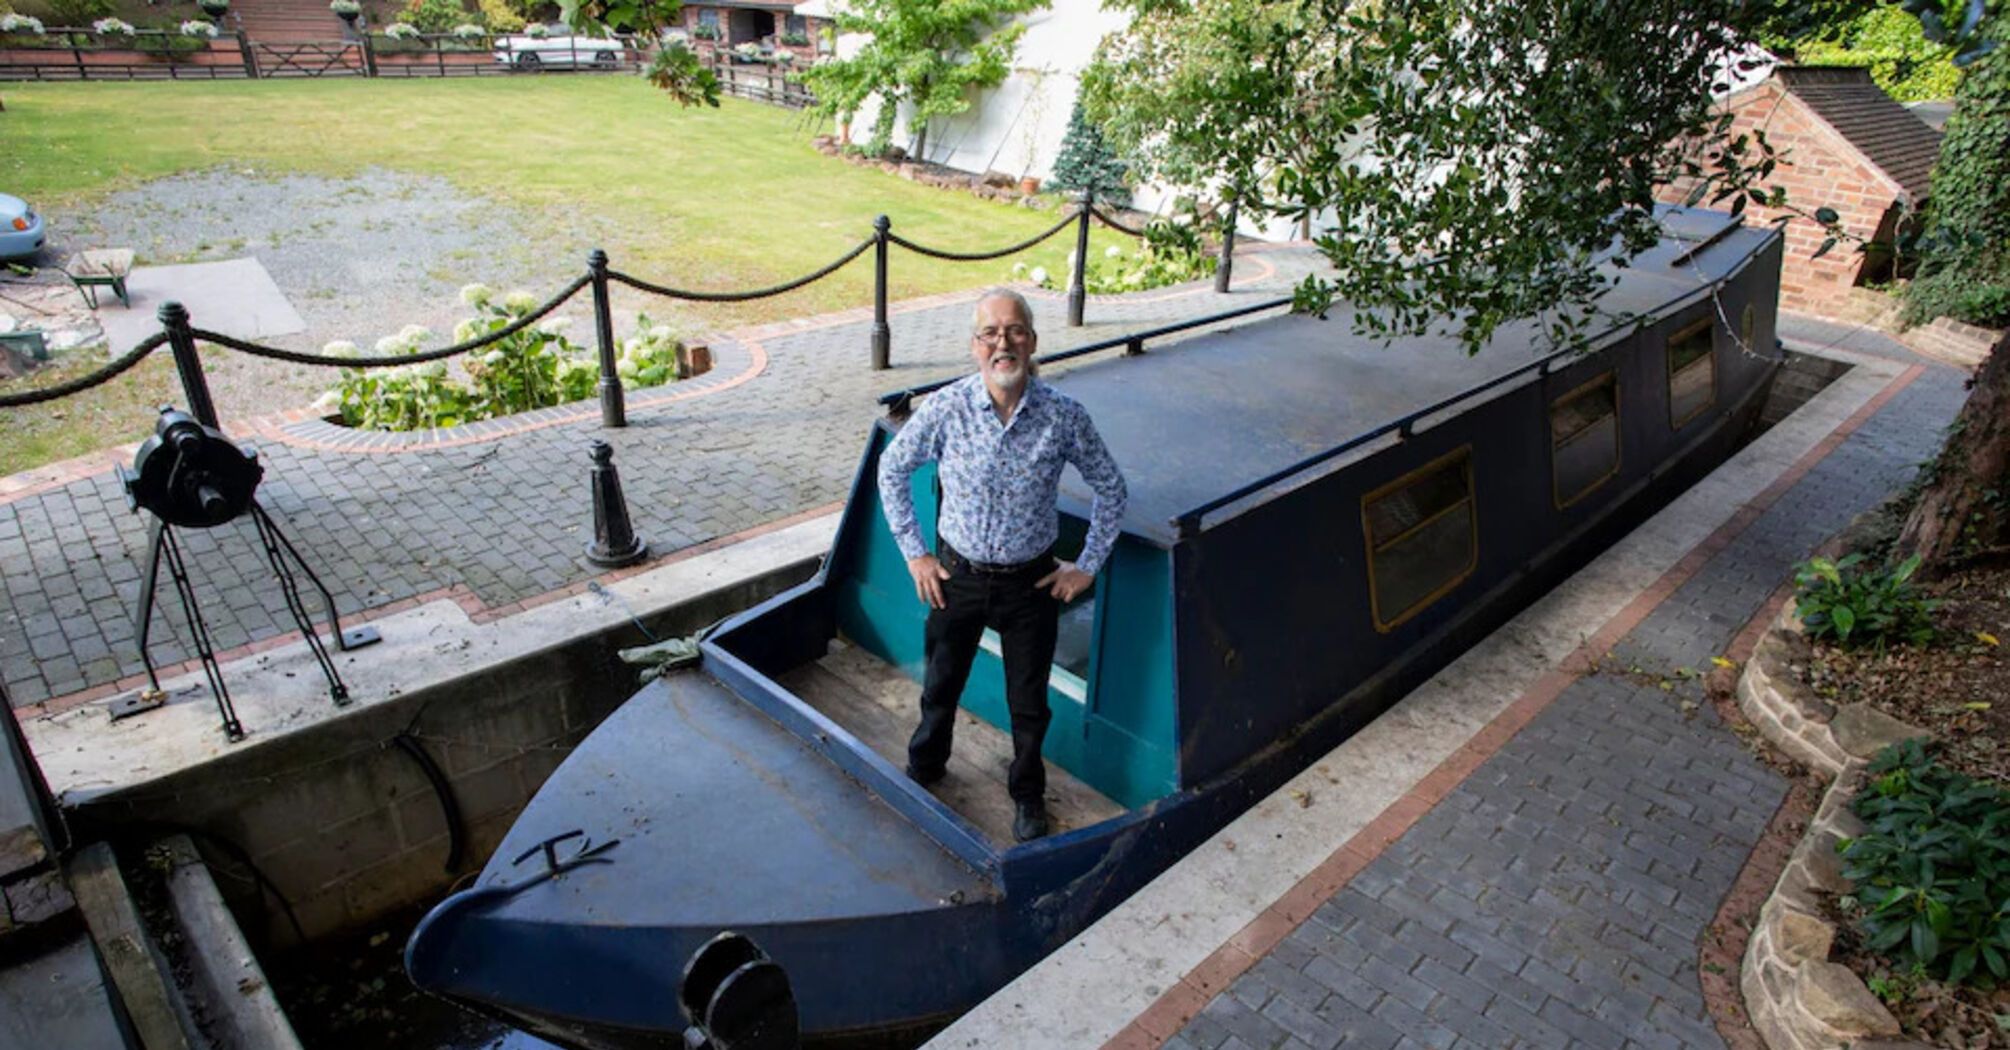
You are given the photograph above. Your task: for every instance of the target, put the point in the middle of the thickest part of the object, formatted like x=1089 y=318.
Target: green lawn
x=724 y=198
x=715 y=198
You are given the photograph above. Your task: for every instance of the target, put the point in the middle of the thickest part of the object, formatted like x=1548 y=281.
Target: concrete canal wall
x=332 y=805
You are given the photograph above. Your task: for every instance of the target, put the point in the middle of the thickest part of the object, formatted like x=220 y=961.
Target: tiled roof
x=1891 y=137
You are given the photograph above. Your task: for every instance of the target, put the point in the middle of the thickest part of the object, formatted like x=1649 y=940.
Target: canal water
x=352 y=992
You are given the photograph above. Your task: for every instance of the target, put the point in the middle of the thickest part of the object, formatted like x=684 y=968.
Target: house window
x=1422 y=539
x=1692 y=373
x=1584 y=438
x=796 y=25
x=709 y=17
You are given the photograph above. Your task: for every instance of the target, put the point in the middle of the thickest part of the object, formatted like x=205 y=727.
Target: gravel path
x=358 y=257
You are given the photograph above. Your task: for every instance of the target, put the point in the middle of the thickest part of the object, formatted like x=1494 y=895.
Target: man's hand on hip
x=1066 y=581
x=928 y=576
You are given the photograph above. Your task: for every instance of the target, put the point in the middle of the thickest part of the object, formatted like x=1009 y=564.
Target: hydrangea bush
x=197 y=27
x=469 y=31
x=112 y=27
x=532 y=368
x=1172 y=253
x=401 y=31
x=13 y=23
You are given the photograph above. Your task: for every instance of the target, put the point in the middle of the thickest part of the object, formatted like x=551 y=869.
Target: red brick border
x=471 y=603
x=1171 y=1011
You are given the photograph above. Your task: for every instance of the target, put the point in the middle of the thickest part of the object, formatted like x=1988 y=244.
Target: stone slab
x=138 y=972
x=236 y=297
x=60 y=999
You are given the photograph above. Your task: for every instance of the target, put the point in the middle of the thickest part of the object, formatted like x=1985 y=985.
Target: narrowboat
x=1317 y=522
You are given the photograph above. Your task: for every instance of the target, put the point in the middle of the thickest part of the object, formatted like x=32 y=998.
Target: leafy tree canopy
x=930 y=54
x=1478 y=154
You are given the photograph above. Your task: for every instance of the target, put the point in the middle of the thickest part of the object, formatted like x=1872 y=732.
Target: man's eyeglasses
x=1018 y=333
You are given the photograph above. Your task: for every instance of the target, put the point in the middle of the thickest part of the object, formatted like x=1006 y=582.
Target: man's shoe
x=924 y=777
x=1031 y=823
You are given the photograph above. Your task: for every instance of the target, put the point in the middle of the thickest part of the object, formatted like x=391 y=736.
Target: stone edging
x=1796 y=998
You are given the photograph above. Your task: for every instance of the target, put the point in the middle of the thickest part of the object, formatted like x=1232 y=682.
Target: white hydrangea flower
x=198 y=27
x=662 y=333
x=1071 y=258
x=492 y=358
x=340 y=348
x=1113 y=252
x=536 y=31
x=401 y=30
x=554 y=325
x=13 y=23
x=631 y=345
x=1038 y=275
x=469 y=30
x=113 y=27
x=476 y=294
x=327 y=402
x=434 y=369
x=1018 y=269
x=391 y=344
x=519 y=302
x=415 y=334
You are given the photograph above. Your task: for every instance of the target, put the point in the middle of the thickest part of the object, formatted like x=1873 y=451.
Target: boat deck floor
x=880 y=706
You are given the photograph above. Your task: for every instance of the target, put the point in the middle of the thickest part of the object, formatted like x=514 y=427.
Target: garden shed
x=1849 y=146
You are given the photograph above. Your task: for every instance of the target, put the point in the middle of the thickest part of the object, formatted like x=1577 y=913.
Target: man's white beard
x=1008 y=373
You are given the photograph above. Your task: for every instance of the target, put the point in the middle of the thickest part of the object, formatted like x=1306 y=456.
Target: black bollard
x=882 y=334
x=614 y=541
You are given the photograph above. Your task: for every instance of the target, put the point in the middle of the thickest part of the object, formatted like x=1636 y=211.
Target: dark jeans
x=1024 y=617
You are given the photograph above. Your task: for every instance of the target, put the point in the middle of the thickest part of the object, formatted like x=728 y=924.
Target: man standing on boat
x=999 y=439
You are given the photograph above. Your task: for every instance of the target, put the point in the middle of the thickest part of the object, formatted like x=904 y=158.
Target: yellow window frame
x=1463 y=454
x=1610 y=378
x=1710 y=355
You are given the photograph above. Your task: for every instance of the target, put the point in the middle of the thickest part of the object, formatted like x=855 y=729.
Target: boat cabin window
x=1422 y=537
x=1584 y=438
x=1692 y=373
x=1074 y=636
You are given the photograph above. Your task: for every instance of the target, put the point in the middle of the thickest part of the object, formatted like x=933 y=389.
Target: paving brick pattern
x=506 y=519
x=1558 y=897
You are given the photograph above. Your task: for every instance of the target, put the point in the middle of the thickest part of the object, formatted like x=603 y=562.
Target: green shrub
x=436 y=16
x=1172 y=253
x=535 y=367
x=1932 y=869
x=1862 y=606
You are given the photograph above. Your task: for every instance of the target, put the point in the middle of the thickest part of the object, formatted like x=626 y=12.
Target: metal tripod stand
x=189 y=475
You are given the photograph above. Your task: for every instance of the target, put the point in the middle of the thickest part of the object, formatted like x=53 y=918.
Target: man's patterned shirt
x=999 y=479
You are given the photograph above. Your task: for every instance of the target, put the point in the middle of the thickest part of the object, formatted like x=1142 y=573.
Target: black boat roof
x=1196 y=421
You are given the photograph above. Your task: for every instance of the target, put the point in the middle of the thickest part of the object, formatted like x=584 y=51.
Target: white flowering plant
x=345 y=8
x=401 y=31
x=23 y=24
x=112 y=27
x=469 y=31
x=748 y=50
x=536 y=31
x=417 y=396
x=1172 y=253
x=196 y=27
x=649 y=357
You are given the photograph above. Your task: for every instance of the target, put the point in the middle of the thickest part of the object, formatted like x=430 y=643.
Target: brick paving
x=1558 y=896
x=506 y=519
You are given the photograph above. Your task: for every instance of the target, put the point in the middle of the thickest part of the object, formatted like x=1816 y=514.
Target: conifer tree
x=1088 y=162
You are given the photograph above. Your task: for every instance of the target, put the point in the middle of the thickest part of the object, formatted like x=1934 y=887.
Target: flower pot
x=349 y=16
x=1029 y=185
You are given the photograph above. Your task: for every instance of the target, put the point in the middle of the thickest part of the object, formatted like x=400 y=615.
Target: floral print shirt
x=999 y=479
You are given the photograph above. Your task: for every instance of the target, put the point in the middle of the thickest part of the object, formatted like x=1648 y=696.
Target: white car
x=559 y=48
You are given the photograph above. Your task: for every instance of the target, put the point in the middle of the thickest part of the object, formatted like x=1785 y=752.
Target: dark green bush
x=1857 y=606
x=1932 y=869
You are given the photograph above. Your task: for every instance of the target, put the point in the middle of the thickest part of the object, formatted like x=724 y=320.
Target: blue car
x=20 y=229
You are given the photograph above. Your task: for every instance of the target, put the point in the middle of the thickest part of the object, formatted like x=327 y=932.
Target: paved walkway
x=501 y=520
x=1544 y=877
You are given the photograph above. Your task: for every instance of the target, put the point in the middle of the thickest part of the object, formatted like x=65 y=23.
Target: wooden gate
x=337 y=58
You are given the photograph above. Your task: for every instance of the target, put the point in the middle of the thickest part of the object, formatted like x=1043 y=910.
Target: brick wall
x=1820 y=169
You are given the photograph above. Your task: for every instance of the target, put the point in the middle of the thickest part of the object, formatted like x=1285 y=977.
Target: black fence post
x=1226 y=265
x=882 y=333
x=613 y=412
x=362 y=26
x=187 y=364
x=244 y=51
x=1078 y=291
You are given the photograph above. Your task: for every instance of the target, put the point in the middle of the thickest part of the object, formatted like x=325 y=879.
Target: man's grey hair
x=1001 y=292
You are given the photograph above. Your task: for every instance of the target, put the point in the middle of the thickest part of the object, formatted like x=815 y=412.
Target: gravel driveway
x=358 y=257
